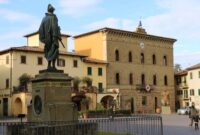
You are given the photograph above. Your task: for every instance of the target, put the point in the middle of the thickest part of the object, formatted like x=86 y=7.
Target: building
x=16 y=61
x=188 y=87
x=140 y=65
x=181 y=87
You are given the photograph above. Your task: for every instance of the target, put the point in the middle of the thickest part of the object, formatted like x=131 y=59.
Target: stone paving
x=178 y=125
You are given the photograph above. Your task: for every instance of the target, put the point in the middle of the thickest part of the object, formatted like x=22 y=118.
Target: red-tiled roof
x=130 y=32
x=180 y=73
x=194 y=67
x=34 y=33
x=92 y=60
x=38 y=50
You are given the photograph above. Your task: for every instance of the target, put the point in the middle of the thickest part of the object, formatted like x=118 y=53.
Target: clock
x=37 y=104
x=142 y=45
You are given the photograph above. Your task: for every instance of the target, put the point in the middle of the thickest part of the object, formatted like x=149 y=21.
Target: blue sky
x=171 y=18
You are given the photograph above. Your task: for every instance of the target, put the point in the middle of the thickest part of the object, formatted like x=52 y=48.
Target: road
x=178 y=125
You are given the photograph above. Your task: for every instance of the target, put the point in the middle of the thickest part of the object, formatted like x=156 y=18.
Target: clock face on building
x=142 y=45
x=37 y=104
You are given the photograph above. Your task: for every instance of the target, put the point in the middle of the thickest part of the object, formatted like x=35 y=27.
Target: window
x=179 y=92
x=116 y=55
x=100 y=72
x=191 y=92
x=7 y=83
x=143 y=79
x=199 y=74
x=191 y=76
x=154 y=80
x=75 y=63
x=117 y=78
x=144 y=100
x=7 y=59
x=89 y=70
x=100 y=87
x=142 y=58
x=185 y=94
x=153 y=59
x=130 y=78
x=130 y=57
x=40 y=60
x=61 y=62
x=165 y=80
x=165 y=60
x=23 y=59
x=199 y=92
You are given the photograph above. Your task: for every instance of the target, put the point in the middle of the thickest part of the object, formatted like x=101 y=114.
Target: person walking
x=192 y=113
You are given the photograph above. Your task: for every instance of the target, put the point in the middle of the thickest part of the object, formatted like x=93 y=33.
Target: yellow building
x=181 y=87
x=140 y=65
x=187 y=87
x=30 y=59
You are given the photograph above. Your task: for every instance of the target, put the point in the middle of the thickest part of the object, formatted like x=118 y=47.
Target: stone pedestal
x=166 y=110
x=51 y=98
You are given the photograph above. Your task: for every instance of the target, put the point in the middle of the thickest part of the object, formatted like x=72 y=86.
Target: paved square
x=178 y=125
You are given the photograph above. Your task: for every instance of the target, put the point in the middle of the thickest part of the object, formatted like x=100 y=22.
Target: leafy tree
x=177 y=68
x=24 y=79
x=76 y=82
x=87 y=80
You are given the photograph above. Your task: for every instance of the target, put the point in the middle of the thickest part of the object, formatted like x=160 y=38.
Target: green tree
x=24 y=79
x=76 y=82
x=87 y=80
x=177 y=68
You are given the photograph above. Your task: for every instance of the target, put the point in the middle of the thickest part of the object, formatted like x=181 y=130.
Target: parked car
x=183 y=111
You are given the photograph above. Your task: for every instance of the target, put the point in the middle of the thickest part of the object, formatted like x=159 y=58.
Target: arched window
x=143 y=79
x=142 y=58
x=165 y=80
x=130 y=78
x=117 y=78
x=154 y=59
x=130 y=56
x=116 y=55
x=165 y=60
x=154 y=80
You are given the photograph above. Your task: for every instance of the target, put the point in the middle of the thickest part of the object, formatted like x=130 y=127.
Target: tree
x=87 y=80
x=24 y=79
x=177 y=68
x=76 y=82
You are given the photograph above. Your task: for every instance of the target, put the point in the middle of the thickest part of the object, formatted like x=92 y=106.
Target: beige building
x=140 y=65
x=30 y=59
x=188 y=87
x=181 y=87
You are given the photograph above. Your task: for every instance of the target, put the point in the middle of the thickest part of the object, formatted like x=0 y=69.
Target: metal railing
x=133 y=125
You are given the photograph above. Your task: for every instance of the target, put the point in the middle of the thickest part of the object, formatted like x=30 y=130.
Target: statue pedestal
x=166 y=110
x=51 y=98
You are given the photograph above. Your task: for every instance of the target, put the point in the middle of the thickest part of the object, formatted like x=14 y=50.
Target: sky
x=177 y=19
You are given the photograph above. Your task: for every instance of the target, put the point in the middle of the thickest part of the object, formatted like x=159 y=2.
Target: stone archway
x=107 y=101
x=17 y=106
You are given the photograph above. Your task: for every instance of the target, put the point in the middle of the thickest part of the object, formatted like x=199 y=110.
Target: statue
x=165 y=98
x=49 y=34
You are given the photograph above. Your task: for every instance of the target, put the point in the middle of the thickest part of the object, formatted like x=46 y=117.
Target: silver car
x=183 y=111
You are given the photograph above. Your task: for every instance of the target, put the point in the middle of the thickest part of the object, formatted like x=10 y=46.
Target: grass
x=109 y=133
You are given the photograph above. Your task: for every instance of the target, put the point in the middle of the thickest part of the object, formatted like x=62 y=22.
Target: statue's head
x=50 y=8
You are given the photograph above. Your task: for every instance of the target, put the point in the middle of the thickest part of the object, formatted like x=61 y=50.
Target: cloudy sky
x=178 y=19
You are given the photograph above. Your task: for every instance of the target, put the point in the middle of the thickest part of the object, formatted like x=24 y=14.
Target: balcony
x=183 y=85
x=144 y=87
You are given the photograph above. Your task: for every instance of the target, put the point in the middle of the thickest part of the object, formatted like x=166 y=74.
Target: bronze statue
x=49 y=34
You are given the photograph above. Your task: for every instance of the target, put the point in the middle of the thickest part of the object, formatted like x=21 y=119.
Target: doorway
x=5 y=106
x=156 y=103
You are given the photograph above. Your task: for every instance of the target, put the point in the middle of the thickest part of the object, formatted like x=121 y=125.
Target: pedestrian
x=196 y=121
x=192 y=113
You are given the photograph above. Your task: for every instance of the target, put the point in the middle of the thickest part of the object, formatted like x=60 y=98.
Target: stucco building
x=188 y=87
x=140 y=65
x=29 y=59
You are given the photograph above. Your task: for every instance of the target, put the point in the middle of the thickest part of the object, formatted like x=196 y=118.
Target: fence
x=133 y=125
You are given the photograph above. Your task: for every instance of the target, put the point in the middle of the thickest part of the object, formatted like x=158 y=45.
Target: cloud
x=78 y=7
x=187 y=58
x=4 y=1
x=118 y=23
x=14 y=16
